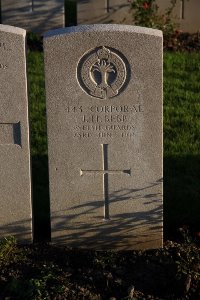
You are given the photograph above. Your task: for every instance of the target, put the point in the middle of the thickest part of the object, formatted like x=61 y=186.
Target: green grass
x=181 y=139
x=39 y=145
x=182 y=104
x=37 y=103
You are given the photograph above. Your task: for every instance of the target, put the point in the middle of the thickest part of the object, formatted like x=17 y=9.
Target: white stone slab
x=33 y=15
x=104 y=110
x=15 y=181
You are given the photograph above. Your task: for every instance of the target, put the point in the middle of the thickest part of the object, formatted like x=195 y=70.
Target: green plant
x=7 y=245
x=47 y=284
x=103 y=260
x=187 y=259
x=145 y=13
x=188 y=263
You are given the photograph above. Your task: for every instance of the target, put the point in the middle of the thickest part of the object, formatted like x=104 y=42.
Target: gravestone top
x=12 y=29
x=103 y=28
x=104 y=117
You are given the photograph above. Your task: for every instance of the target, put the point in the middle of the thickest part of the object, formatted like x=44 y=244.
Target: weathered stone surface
x=104 y=110
x=33 y=15
x=15 y=182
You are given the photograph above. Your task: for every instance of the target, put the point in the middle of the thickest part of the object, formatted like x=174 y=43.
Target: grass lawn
x=181 y=141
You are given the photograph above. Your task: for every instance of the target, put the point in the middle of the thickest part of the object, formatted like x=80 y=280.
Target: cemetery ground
x=44 y=271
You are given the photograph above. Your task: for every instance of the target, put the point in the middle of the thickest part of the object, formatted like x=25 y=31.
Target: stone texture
x=15 y=182
x=104 y=111
x=33 y=15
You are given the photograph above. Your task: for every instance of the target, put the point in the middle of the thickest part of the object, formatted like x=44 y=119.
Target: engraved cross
x=105 y=172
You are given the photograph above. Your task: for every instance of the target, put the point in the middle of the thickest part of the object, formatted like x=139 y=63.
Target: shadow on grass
x=41 y=204
x=181 y=192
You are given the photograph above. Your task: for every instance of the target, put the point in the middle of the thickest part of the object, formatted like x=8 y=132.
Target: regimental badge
x=102 y=72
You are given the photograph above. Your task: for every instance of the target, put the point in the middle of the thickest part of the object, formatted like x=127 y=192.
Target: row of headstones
x=33 y=15
x=40 y=16
x=104 y=117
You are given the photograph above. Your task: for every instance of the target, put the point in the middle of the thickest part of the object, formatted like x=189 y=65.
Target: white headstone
x=15 y=181
x=104 y=110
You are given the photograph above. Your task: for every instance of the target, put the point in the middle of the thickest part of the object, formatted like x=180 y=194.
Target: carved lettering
x=81 y=135
x=127 y=134
x=105 y=121
x=105 y=134
x=141 y=109
x=115 y=118
x=105 y=109
x=4 y=47
x=109 y=109
x=116 y=109
x=106 y=118
x=92 y=119
x=4 y=67
x=74 y=109
x=119 y=127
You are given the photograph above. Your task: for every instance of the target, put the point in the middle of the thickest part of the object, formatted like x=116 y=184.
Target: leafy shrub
x=145 y=13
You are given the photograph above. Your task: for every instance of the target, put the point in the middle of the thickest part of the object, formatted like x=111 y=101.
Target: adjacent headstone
x=33 y=15
x=104 y=110
x=15 y=182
